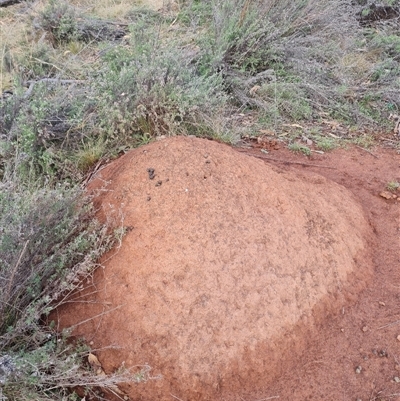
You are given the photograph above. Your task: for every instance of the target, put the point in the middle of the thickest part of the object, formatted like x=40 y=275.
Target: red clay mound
x=228 y=264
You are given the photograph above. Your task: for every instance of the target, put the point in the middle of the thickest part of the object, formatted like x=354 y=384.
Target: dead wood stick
x=387 y=139
x=6 y=3
x=289 y=162
x=360 y=147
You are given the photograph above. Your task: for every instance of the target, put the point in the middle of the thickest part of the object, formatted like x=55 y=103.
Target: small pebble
x=396 y=379
x=383 y=353
x=382 y=303
x=365 y=329
x=358 y=369
x=398 y=337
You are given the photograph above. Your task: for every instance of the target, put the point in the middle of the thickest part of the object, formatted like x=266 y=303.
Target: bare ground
x=349 y=351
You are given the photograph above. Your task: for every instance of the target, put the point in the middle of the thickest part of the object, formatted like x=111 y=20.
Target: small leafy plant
x=393 y=186
x=299 y=148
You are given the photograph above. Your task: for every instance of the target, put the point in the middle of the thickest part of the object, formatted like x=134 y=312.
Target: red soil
x=243 y=279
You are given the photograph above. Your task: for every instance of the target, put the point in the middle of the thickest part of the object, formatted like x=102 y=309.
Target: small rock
x=396 y=379
x=382 y=303
x=386 y=195
x=159 y=183
x=398 y=337
x=151 y=173
x=365 y=329
x=383 y=353
x=358 y=369
x=342 y=330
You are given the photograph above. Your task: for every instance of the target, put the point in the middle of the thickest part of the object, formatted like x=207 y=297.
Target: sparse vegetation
x=393 y=186
x=84 y=81
x=298 y=147
x=49 y=242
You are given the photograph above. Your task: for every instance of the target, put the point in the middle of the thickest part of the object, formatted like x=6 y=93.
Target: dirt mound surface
x=228 y=265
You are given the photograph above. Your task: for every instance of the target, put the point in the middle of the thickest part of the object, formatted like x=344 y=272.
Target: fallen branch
x=389 y=140
x=6 y=3
x=51 y=80
x=289 y=162
x=60 y=81
x=360 y=147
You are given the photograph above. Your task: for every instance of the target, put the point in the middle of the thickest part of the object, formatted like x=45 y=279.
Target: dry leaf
x=92 y=359
x=114 y=388
x=100 y=372
x=254 y=89
x=266 y=132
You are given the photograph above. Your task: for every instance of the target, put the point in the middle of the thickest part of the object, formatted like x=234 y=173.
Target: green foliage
x=44 y=235
x=150 y=88
x=325 y=144
x=287 y=100
x=59 y=18
x=49 y=242
x=195 y=13
x=365 y=141
x=42 y=130
x=298 y=147
x=393 y=186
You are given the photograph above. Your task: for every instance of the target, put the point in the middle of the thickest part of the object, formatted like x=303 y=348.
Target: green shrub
x=299 y=148
x=49 y=242
x=151 y=88
x=60 y=19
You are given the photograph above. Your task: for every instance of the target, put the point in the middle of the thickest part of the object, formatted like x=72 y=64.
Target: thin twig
x=290 y=162
x=11 y=280
x=372 y=154
x=389 y=324
x=92 y=173
x=94 y=317
x=177 y=398
x=55 y=80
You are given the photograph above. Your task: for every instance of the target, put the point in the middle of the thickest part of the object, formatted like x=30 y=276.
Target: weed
x=60 y=19
x=89 y=154
x=393 y=186
x=364 y=141
x=49 y=242
x=325 y=144
x=299 y=148
x=152 y=89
